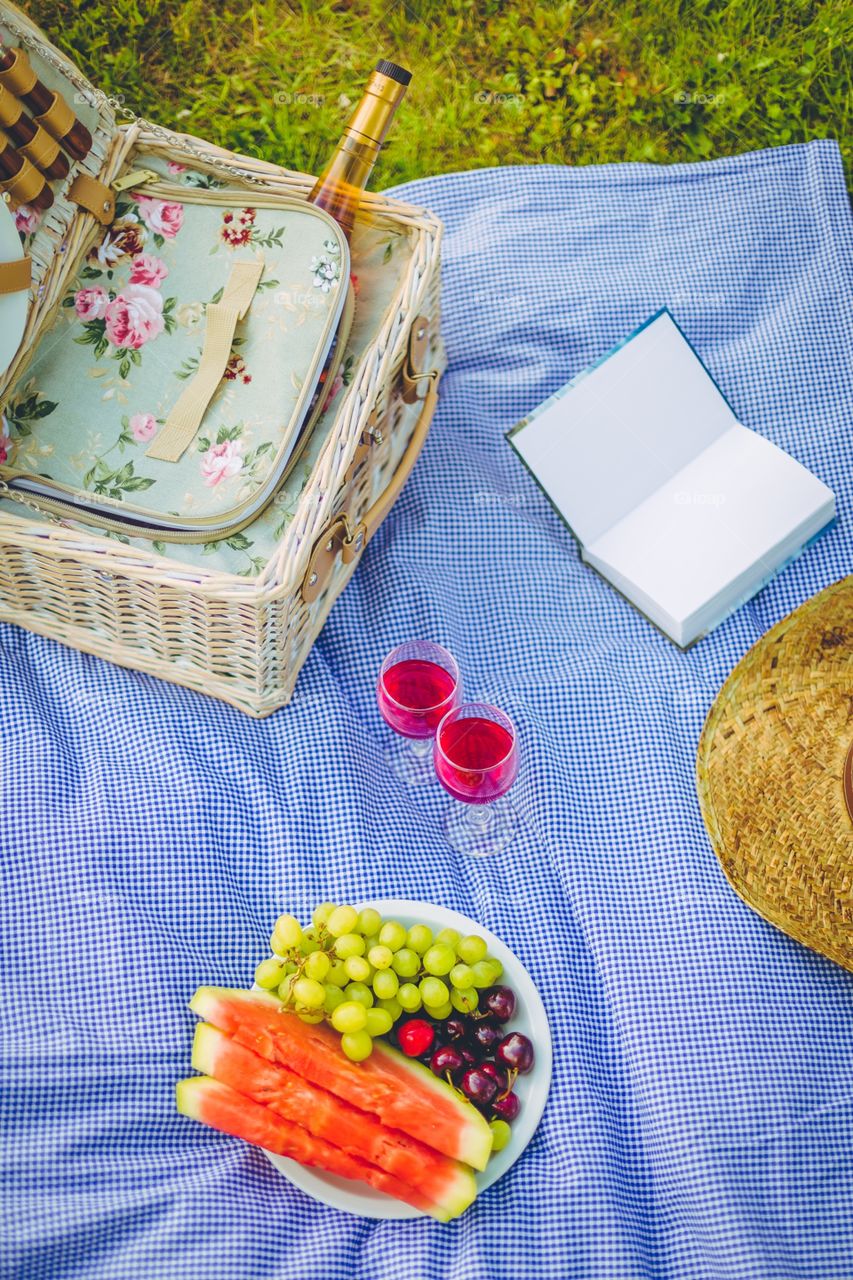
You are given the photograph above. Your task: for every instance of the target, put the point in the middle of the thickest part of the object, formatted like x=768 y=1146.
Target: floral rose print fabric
x=130 y=333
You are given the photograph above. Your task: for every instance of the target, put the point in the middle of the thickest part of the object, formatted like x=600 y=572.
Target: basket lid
x=775 y=774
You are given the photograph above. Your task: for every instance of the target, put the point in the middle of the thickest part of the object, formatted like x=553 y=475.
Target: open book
x=684 y=510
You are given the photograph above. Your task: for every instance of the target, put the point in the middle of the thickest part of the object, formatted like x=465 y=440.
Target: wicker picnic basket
x=239 y=639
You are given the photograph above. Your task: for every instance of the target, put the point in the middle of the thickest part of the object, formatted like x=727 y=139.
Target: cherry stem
x=512 y=1076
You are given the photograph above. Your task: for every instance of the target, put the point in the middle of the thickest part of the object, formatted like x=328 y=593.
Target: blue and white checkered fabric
x=701 y=1118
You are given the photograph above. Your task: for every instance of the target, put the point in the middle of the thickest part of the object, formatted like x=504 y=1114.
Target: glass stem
x=479 y=816
x=421 y=746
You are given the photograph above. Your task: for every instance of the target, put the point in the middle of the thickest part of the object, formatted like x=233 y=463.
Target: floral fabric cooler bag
x=185 y=363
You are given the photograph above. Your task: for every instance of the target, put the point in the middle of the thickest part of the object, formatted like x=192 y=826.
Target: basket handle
x=339 y=536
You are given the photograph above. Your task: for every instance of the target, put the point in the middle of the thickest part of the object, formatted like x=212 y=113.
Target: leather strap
x=26 y=184
x=220 y=322
x=59 y=119
x=19 y=78
x=340 y=537
x=15 y=276
x=94 y=197
x=11 y=109
x=42 y=149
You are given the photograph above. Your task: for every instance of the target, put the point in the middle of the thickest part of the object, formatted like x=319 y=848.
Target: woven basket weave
x=775 y=774
x=242 y=640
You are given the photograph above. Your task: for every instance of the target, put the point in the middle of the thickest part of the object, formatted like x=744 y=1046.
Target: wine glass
x=418 y=684
x=476 y=760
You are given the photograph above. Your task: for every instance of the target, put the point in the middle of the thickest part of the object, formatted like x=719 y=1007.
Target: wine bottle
x=339 y=187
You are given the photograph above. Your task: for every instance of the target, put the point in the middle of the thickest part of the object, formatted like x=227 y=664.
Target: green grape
x=285 y=990
x=462 y=976
x=369 y=921
x=357 y=1045
x=471 y=949
x=317 y=966
x=406 y=963
x=380 y=957
x=440 y=1010
x=288 y=930
x=269 y=973
x=342 y=920
x=349 y=1017
x=501 y=1134
x=439 y=960
x=277 y=946
x=360 y=993
x=385 y=984
x=309 y=993
x=483 y=973
x=391 y=1006
x=349 y=944
x=334 y=998
x=337 y=974
x=434 y=992
x=379 y=1022
x=311 y=1015
x=464 y=1001
x=321 y=914
x=393 y=935
x=449 y=938
x=371 y=942
x=409 y=997
x=357 y=969
x=419 y=938
x=498 y=968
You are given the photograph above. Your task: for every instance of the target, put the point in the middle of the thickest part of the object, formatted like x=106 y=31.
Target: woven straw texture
x=771 y=772
x=241 y=640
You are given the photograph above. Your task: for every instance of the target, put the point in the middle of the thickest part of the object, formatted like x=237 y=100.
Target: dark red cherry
x=478 y=1086
x=485 y=1037
x=515 y=1052
x=500 y=1002
x=506 y=1107
x=456 y=1028
x=447 y=1060
x=497 y=1073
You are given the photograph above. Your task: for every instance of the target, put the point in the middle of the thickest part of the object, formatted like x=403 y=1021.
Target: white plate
x=13 y=306
x=532 y=1089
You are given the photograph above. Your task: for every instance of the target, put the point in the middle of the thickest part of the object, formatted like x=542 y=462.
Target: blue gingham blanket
x=701 y=1118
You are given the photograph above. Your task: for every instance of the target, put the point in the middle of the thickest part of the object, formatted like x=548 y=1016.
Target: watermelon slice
x=402 y=1093
x=448 y=1185
x=231 y=1112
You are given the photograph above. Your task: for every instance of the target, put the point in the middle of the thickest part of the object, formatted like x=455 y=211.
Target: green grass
x=495 y=83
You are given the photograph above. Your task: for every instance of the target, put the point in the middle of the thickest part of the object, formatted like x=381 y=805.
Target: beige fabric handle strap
x=15 y=276
x=220 y=322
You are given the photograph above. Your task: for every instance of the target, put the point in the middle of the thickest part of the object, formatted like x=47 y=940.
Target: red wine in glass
x=476 y=761
x=414 y=695
x=418 y=684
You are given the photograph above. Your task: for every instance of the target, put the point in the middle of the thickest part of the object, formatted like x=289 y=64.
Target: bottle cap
x=393 y=71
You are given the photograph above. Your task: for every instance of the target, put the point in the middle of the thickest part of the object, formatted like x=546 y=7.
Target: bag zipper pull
x=136 y=178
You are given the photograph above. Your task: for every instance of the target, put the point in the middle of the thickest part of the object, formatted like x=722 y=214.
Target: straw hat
x=775 y=774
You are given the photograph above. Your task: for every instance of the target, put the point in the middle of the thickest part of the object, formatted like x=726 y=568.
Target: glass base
x=410 y=759
x=480 y=829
